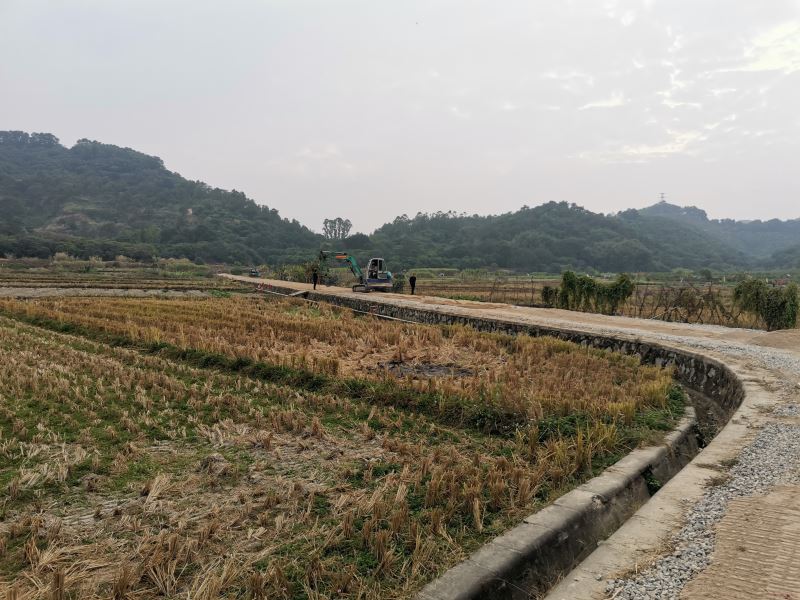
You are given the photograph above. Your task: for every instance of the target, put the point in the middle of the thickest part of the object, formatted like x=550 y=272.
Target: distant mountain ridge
x=757 y=238
x=100 y=199
x=553 y=237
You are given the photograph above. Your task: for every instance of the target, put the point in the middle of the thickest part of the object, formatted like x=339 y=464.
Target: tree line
x=97 y=199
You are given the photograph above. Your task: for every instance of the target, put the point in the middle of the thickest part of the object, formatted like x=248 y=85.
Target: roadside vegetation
x=777 y=308
x=251 y=448
x=751 y=302
x=691 y=298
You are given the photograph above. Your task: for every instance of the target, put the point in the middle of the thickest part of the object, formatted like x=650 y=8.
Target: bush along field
x=751 y=303
x=251 y=448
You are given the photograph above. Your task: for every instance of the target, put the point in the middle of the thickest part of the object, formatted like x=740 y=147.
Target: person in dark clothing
x=412 y=281
x=315 y=279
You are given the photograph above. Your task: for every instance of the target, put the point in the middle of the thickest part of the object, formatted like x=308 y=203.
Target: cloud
x=460 y=113
x=571 y=80
x=669 y=102
x=613 y=11
x=628 y=18
x=711 y=126
x=776 y=50
x=678 y=142
x=616 y=99
x=323 y=151
x=678 y=85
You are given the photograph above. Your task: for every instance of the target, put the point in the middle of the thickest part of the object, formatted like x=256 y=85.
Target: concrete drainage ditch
x=524 y=561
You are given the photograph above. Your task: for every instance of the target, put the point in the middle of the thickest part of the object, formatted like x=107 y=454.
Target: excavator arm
x=344 y=257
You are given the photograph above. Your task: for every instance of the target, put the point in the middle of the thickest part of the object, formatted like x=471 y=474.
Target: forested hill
x=553 y=237
x=104 y=200
x=787 y=258
x=556 y=236
x=99 y=199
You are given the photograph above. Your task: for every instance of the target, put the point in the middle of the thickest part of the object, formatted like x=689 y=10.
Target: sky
x=371 y=109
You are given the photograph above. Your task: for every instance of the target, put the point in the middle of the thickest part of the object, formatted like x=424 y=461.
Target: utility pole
x=663 y=197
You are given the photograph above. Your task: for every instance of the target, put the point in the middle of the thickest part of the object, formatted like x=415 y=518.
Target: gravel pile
x=771 y=459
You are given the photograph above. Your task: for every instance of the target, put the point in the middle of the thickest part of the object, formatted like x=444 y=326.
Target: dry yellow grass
x=65 y=273
x=535 y=377
x=126 y=475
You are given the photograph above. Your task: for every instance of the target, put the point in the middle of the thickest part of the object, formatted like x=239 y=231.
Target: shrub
x=581 y=292
x=549 y=295
x=302 y=272
x=610 y=296
x=778 y=307
x=398 y=283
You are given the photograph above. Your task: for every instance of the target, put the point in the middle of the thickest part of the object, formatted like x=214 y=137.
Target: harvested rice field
x=262 y=448
x=73 y=274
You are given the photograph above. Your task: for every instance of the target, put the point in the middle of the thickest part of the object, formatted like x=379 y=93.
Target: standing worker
x=315 y=278
x=412 y=281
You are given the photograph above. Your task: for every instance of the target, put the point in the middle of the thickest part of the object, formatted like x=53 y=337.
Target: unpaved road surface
x=728 y=526
x=757 y=550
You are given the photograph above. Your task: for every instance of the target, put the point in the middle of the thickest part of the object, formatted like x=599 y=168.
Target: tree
x=336 y=229
x=357 y=240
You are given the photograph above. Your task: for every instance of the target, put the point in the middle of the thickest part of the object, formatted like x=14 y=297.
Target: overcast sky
x=370 y=109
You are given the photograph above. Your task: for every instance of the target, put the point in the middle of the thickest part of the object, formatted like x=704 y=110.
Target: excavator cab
x=378 y=278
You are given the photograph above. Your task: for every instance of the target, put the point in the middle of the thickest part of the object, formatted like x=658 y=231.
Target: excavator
x=377 y=277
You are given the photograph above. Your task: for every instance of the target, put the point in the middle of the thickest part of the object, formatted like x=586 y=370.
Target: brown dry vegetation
x=127 y=475
x=71 y=274
x=535 y=377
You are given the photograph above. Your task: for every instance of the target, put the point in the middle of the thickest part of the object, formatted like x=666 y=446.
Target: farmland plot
x=75 y=274
x=242 y=448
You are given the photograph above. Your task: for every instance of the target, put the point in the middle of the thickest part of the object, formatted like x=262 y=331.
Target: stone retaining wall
x=529 y=558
